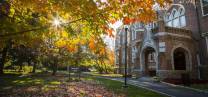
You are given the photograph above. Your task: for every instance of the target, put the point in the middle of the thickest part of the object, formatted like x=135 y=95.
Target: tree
x=84 y=21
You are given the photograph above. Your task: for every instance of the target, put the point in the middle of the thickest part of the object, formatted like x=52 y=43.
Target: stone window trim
x=202 y=8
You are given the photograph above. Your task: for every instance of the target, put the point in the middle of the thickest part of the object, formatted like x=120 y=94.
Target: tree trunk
x=54 y=69
x=105 y=67
x=3 y=58
x=34 y=67
x=20 y=69
x=99 y=67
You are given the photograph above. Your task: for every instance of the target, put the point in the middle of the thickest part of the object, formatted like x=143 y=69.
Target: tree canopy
x=52 y=25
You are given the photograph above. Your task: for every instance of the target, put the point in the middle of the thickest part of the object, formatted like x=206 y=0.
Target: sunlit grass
x=45 y=82
x=106 y=75
x=55 y=83
x=16 y=79
x=131 y=91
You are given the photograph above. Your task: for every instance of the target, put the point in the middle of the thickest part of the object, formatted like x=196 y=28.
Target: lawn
x=106 y=75
x=131 y=91
x=14 y=84
x=200 y=86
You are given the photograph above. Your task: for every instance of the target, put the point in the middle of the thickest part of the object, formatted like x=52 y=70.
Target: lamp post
x=125 y=63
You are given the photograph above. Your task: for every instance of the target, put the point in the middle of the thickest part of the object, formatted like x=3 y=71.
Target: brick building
x=177 y=43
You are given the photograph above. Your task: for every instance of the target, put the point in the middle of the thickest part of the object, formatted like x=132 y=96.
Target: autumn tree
x=83 y=20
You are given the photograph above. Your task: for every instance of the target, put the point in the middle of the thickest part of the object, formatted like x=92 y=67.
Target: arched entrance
x=150 y=61
x=180 y=59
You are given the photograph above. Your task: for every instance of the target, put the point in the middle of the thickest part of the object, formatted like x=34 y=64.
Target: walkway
x=169 y=90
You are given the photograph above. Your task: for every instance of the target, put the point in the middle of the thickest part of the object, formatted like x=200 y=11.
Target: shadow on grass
x=41 y=82
x=10 y=81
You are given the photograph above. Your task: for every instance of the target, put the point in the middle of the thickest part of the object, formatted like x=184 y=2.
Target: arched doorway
x=150 y=61
x=180 y=58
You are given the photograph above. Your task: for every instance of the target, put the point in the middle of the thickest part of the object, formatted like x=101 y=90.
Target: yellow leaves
x=60 y=43
x=88 y=18
x=102 y=51
x=71 y=48
x=84 y=41
x=84 y=33
x=64 y=34
x=12 y=11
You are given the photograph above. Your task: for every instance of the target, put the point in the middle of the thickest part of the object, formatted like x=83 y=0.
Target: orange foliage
x=110 y=32
x=126 y=20
x=92 y=43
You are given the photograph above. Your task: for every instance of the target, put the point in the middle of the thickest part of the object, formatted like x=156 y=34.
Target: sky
x=110 y=41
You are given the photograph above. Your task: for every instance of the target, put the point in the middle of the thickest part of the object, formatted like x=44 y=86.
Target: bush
x=156 y=79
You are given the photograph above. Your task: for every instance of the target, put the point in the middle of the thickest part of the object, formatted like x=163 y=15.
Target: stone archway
x=181 y=59
x=149 y=61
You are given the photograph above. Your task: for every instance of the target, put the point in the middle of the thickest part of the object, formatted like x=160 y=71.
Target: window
x=128 y=37
x=182 y=17
x=117 y=57
x=176 y=22
x=207 y=43
x=132 y=54
x=151 y=57
x=204 y=5
x=134 y=51
x=123 y=56
x=123 y=36
x=176 y=18
x=132 y=34
x=134 y=30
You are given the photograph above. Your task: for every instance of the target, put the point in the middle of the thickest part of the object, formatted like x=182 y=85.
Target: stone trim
x=171 y=34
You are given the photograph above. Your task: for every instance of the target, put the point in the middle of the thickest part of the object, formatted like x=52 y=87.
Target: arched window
x=176 y=18
x=182 y=17
x=168 y=20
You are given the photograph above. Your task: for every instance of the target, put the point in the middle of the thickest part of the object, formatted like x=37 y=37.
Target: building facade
x=176 y=43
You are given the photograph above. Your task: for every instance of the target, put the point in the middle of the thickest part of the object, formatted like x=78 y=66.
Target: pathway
x=166 y=89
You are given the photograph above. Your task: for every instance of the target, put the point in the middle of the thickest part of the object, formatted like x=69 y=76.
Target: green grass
x=131 y=91
x=106 y=75
x=16 y=80
x=200 y=86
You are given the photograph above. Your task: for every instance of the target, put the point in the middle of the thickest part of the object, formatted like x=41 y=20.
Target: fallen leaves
x=71 y=89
